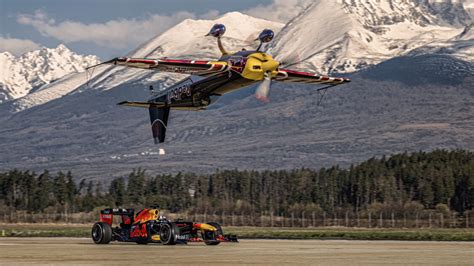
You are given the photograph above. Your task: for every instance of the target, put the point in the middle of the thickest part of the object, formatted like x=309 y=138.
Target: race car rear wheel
x=101 y=233
x=168 y=234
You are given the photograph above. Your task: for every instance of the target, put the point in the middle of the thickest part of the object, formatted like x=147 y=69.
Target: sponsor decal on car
x=139 y=231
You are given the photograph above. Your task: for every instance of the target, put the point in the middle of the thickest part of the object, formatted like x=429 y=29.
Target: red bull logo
x=146 y=215
x=139 y=231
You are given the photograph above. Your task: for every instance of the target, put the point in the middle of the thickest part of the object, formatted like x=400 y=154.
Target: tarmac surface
x=62 y=251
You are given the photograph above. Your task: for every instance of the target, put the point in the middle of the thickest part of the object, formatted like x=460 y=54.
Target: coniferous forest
x=440 y=179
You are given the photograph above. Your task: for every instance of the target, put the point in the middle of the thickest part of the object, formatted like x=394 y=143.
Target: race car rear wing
x=107 y=215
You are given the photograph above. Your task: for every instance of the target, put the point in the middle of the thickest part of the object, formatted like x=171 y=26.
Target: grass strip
x=356 y=234
x=54 y=230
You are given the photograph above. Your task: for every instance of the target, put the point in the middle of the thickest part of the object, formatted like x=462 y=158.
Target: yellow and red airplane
x=231 y=72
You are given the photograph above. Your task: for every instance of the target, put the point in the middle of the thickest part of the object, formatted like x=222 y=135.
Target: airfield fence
x=303 y=220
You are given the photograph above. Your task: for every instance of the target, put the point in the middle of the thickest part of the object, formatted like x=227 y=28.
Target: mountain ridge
x=357 y=34
x=28 y=72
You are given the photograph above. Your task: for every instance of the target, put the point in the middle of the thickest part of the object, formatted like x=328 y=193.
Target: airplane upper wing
x=286 y=75
x=192 y=67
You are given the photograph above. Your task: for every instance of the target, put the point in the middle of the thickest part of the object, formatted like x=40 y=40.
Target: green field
x=83 y=230
x=355 y=233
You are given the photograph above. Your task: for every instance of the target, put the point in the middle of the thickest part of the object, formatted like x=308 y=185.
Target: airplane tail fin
x=159 y=114
x=159 y=122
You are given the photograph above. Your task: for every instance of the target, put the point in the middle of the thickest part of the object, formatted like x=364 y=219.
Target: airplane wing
x=286 y=75
x=192 y=67
x=143 y=104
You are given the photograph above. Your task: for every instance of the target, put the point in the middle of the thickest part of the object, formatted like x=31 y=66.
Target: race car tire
x=210 y=237
x=168 y=234
x=213 y=242
x=101 y=233
x=217 y=226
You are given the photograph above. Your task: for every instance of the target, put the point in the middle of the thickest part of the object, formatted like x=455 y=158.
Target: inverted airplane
x=232 y=71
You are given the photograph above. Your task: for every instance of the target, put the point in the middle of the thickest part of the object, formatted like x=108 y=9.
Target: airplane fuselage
x=246 y=68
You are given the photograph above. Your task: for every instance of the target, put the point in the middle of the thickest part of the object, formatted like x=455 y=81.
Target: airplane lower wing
x=142 y=104
x=192 y=67
x=286 y=75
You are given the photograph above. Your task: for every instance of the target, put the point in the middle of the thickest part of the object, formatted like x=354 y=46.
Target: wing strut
x=90 y=74
x=322 y=92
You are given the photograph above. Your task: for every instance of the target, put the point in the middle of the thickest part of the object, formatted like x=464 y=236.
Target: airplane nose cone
x=258 y=64
x=270 y=65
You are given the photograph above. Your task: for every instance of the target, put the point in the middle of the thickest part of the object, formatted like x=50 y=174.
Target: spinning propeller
x=263 y=90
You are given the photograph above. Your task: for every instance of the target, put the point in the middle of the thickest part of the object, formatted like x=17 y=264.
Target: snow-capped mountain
x=187 y=39
x=28 y=72
x=460 y=46
x=421 y=12
x=349 y=35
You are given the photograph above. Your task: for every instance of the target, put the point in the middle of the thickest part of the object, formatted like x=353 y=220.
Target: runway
x=276 y=252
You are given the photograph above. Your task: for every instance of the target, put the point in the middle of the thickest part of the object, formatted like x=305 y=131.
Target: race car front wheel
x=210 y=237
x=168 y=234
x=218 y=228
x=101 y=233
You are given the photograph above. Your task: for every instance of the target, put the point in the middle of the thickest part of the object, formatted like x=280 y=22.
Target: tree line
x=440 y=179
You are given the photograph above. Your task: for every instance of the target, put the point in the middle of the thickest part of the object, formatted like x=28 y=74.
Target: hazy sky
x=109 y=28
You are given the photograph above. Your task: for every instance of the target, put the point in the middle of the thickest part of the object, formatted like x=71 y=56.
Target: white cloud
x=115 y=34
x=280 y=10
x=212 y=14
x=17 y=46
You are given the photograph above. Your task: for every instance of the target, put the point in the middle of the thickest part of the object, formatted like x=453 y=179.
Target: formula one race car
x=147 y=226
